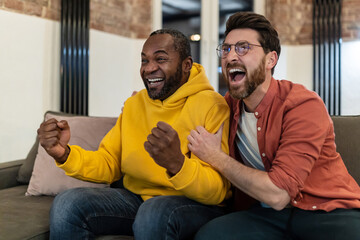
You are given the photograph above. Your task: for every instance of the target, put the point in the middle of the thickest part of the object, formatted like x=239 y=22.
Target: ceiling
x=175 y=10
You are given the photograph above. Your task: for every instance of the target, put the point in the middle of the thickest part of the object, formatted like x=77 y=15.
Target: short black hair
x=181 y=42
x=269 y=39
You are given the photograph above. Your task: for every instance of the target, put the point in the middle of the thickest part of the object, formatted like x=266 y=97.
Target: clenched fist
x=163 y=145
x=54 y=137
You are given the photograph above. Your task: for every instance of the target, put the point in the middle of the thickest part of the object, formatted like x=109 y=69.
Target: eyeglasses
x=241 y=48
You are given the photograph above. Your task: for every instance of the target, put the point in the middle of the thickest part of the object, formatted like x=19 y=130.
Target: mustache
x=235 y=65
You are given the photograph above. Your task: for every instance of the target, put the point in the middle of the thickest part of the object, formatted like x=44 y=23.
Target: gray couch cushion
x=347 y=139
x=23 y=217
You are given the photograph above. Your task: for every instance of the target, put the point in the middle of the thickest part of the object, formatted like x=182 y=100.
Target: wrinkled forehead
x=158 y=43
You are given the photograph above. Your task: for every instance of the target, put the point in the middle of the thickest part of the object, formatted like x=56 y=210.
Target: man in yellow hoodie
x=168 y=192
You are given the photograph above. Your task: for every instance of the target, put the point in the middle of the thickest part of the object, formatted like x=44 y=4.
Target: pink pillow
x=86 y=132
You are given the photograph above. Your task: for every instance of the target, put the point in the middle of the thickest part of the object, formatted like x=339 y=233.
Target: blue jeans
x=261 y=223
x=83 y=213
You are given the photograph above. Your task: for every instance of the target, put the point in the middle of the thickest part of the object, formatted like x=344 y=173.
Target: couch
x=26 y=217
x=28 y=186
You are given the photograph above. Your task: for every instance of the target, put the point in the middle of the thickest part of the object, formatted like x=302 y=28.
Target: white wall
x=29 y=73
x=114 y=72
x=350 y=78
x=295 y=64
x=29 y=77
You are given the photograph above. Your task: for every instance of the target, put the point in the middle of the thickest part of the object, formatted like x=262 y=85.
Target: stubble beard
x=172 y=83
x=253 y=80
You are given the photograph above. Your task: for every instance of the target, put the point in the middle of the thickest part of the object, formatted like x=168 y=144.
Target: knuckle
x=150 y=138
x=175 y=135
x=146 y=146
x=162 y=145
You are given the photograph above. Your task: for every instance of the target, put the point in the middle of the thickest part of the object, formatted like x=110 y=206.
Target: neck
x=255 y=98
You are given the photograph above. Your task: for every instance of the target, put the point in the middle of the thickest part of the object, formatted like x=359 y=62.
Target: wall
x=113 y=72
x=128 y=18
x=28 y=78
x=350 y=53
x=29 y=63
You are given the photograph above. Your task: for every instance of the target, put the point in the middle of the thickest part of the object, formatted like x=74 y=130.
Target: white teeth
x=235 y=70
x=155 y=80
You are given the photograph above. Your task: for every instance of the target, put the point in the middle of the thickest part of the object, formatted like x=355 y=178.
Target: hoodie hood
x=196 y=83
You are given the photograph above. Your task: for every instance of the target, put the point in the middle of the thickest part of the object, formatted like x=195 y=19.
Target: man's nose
x=151 y=66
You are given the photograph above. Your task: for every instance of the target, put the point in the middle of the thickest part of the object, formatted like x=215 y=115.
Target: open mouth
x=153 y=82
x=236 y=74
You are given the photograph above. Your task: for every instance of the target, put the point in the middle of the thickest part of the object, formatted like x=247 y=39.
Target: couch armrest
x=9 y=172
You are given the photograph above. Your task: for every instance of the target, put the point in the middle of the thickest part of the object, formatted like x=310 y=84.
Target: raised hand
x=163 y=145
x=54 y=137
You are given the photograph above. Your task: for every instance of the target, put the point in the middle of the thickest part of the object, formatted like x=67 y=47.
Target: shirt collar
x=268 y=98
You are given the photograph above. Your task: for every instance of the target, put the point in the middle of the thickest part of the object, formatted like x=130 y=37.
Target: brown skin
x=54 y=137
x=163 y=145
x=159 y=60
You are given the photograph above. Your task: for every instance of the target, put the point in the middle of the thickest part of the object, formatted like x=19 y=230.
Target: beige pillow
x=87 y=132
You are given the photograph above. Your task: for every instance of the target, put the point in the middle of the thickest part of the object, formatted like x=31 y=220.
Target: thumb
x=218 y=134
x=63 y=124
x=65 y=133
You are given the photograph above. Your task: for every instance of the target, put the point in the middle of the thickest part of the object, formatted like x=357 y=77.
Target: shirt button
x=259 y=128
x=314 y=207
x=263 y=154
x=256 y=113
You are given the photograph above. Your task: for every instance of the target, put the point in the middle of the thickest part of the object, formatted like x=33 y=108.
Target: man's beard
x=252 y=82
x=172 y=83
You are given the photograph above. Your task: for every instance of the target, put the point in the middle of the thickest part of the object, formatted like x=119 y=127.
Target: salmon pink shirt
x=296 y=141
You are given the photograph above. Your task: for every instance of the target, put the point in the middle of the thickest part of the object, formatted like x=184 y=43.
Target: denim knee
x=172 y=217
x=154 y=218
x=66 y=205
x=147 y=215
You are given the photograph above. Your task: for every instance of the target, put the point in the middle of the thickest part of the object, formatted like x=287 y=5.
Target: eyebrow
x=156 y=52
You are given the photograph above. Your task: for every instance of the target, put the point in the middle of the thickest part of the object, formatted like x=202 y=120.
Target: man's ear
x=187 y=64
x=271 y=59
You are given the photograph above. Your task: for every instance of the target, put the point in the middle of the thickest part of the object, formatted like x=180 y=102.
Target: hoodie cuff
x=186 y=174
x=69 y=165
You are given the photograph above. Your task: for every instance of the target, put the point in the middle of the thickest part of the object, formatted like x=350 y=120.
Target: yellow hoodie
x=122 y=153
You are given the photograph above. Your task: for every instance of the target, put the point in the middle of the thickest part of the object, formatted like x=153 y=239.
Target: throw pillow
x=27 y=167
x=86 y=132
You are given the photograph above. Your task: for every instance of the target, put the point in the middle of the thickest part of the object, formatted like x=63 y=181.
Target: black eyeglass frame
x=241 y=44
